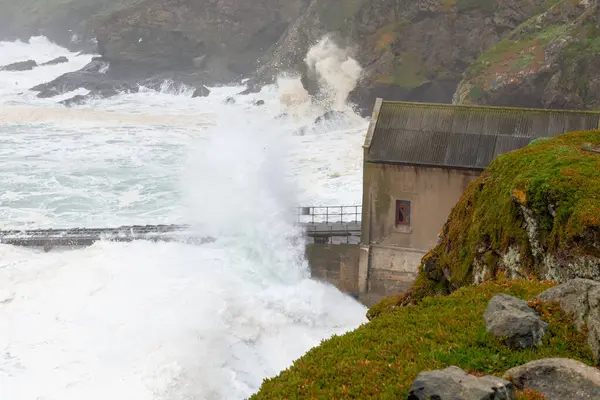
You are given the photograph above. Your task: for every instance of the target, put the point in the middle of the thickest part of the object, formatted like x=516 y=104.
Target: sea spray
x=337 y=72
x=162 y=321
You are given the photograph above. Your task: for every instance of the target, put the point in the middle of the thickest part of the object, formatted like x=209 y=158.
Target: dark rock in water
x=557 y=379
x=202 y=91
x=229 y=100
x=282 y=115
x=57 y=60
x=251 y=88
x=580 y=298
x=89 y=77
x=20 y=66
x=514 y=321
x=332 y=116
x=75 y=100
x=259 y=103
x=454 y=383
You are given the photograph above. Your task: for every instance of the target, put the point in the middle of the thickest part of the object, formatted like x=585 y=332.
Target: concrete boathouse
x=418 y=160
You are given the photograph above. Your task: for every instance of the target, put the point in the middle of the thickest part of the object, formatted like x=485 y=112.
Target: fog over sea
x=146 y=320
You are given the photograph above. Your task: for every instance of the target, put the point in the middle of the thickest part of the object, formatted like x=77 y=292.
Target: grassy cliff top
x=382 y=358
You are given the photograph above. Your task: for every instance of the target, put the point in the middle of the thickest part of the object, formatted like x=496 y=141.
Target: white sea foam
x=166 y=321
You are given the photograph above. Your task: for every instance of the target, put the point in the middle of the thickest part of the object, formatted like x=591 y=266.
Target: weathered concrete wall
x=369 y=274
x=336 y=264
x=392 y=270
x=432 y=193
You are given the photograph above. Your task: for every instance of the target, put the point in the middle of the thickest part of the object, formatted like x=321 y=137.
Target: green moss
x=515 y=49
x=475 y=94
x=556 y=174
x=407 y=72
x=381 y=359
x=486 y=6
x=334 y=13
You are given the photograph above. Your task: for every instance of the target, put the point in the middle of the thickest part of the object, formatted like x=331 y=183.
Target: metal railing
x=322 y=224
x=329 y=214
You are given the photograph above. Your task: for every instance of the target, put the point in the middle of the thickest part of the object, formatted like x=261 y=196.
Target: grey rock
x=337 y=116
x=453 y=383
x=259 y=103
x=581 y=298
x=75 y=100
x=20 y=66
x=202 y=91
x=229 y=100
x=57 y=60
x=557 y=379
x=514 y=321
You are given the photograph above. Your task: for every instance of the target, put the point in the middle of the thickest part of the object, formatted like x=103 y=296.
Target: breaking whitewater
x=146 y=320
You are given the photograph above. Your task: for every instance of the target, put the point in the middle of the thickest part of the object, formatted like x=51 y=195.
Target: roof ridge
x=489 y=108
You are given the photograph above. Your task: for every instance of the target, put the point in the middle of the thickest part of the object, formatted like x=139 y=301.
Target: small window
x=402 y=212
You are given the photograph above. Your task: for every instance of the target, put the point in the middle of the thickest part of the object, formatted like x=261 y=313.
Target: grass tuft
x=382 y=358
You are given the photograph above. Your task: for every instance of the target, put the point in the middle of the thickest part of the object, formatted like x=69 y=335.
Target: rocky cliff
x=534 y=213
x=410 y=50
x=70 y=23
x=551 y=61
x=223 y=38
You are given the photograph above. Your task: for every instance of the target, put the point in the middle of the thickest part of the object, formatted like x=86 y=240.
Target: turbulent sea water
x=146 y=320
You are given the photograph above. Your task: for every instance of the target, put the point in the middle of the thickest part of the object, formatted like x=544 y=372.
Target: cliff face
x=411 y=50
x=551 y=61
x=57 y=19
x=224 y=38
x=534 y=213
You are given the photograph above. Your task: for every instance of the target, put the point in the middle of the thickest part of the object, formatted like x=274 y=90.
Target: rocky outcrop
x=221 y=38
x=534 y=213
x=551 y=61
x=57 y=60
x=20 y=66
x=454 y=383
x=413 y=50
x=557 y=379
x=580 y=298
x=514 y=322
x=104 y=80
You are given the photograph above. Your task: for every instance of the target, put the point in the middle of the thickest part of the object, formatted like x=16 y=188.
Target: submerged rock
x=453 y=383
x=259 y=103
x=229 y=100
x=512 y=320
x=20 y=66
x=580 y=298
x=57 y=60
x=557 y=379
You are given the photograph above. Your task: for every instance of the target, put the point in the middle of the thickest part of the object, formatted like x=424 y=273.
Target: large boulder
x=20 y=66
x=550 y=61
x=453 y=383
x=557 y=379
x=581 y=298
x=512 y=320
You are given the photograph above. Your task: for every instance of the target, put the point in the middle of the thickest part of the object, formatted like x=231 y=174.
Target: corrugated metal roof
x=470 y=137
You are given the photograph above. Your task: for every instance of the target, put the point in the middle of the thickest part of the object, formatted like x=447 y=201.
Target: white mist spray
x=337 y=74
x=335 y=69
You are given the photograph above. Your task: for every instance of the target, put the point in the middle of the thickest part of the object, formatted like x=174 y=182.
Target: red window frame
x=404 y=207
